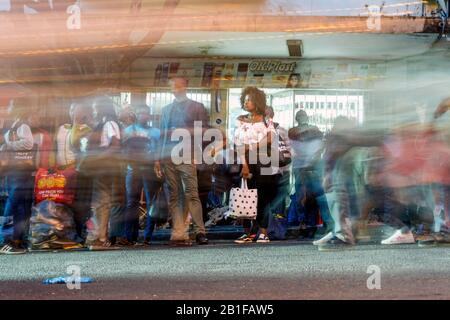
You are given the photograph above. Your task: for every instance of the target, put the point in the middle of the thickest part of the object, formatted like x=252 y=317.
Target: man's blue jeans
x=138 y=178
x=20 y=199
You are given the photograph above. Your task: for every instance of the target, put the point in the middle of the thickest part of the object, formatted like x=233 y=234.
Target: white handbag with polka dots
x=243 y=202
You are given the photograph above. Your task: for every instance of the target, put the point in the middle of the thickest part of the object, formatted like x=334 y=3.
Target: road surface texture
x=223 y=270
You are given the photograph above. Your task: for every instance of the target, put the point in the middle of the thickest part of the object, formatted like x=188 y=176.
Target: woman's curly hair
x=258 y=97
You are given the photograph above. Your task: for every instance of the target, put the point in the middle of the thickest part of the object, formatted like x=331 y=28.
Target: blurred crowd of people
x=87 y=184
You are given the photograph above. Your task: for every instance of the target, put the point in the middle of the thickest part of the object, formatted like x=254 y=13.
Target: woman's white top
x=251 y=133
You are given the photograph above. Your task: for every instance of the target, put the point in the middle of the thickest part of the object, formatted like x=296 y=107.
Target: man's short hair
x=142 y=106
x=301 y=116
x=181 y=79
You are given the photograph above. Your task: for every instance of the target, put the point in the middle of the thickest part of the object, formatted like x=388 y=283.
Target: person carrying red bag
x=55 y=185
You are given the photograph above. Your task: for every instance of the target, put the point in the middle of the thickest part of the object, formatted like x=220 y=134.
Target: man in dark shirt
x=177 y=120
x=139 y=141
x=307 y=144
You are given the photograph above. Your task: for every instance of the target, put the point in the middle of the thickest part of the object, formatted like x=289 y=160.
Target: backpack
x=284 y=150
x=277 y=228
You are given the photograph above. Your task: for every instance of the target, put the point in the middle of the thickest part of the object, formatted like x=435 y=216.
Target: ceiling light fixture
x=295 y=48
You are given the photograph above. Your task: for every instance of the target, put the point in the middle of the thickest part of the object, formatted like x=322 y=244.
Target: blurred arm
x=442 y=108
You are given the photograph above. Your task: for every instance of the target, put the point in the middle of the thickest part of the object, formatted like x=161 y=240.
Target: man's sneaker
x=400 y=238
x=324 y=239
x=12 y=248
x=263 y=239
x=334 y=243
x=201 y=239
x=245 y=239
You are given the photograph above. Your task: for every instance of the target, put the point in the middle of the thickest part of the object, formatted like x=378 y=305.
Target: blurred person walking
x=307 y=144
x=139 y=146
x=18 y=167
x=338 y=182
x=71 y=141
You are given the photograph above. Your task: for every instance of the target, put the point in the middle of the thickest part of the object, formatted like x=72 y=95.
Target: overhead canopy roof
x=38 y=48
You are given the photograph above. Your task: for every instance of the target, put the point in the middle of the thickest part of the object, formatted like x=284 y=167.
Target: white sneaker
x=400 y=238
x=324 y=239
x=263 y=239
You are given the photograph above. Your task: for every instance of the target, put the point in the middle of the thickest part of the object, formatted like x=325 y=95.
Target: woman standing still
x=252 y=140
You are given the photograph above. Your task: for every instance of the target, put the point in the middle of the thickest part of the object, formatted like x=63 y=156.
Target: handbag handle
x=244 y=183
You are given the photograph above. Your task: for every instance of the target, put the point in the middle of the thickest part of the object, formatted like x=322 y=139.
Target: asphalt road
x=283 y=270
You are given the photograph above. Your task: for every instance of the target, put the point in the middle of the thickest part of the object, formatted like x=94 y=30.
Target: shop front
x=324 y=89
